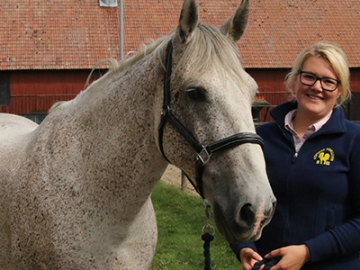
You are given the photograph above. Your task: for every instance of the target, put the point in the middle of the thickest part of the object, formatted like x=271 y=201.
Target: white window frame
x=108 y=3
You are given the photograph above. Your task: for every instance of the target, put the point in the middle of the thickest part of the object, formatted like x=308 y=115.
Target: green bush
x=180 y=219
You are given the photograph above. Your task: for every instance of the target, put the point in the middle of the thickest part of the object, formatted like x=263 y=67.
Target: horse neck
x=111 y=129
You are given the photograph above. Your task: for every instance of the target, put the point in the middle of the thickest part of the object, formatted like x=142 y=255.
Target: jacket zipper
x=294 y=158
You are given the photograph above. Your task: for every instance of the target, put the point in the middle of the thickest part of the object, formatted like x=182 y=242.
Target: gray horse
x=75 y=190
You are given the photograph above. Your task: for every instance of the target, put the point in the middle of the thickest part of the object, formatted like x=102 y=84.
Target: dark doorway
x=4 y=88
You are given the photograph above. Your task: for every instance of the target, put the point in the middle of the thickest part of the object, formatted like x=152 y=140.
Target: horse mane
x=115 y=66
x=208 y=48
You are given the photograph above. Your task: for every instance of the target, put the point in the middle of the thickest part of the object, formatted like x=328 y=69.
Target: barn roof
x=51 y=34
x=75 y=34
x=280 y=29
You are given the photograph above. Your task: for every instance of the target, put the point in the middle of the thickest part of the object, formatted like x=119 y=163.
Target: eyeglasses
x=310 y=79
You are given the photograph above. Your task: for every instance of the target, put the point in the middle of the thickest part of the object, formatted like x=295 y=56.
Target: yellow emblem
x=324 y=156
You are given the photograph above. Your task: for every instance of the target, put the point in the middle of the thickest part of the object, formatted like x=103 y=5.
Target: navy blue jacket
x=317 y=191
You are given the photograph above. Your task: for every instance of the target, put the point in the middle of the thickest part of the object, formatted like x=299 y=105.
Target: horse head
x=207 y=102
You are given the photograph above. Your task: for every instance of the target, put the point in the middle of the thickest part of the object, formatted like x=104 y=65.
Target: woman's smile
x=314 y=97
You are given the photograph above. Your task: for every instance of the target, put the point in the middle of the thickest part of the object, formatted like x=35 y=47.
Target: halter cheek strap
x=204 y=152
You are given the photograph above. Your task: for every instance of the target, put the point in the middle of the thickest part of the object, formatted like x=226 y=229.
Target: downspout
x=121 y=29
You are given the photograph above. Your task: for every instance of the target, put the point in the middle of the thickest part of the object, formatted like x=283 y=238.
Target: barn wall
x=271 y=88
x=355 y=80
x=36 y=91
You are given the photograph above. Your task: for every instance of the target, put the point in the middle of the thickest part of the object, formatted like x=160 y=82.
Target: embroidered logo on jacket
x=324 y=156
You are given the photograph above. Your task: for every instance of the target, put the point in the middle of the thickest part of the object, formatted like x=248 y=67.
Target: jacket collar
x=335 y=124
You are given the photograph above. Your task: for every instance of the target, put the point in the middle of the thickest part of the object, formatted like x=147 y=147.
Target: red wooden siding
x=355 y=79
x=271 y=88
x=37 y=91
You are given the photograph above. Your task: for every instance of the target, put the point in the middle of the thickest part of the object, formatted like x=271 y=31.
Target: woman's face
x=314 y=102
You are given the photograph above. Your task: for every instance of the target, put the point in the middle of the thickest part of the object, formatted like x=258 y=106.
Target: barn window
x=36 y=117
x=108 y=3
x=4 y=89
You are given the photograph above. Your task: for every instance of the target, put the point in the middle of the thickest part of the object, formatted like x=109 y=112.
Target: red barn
x=48 y=47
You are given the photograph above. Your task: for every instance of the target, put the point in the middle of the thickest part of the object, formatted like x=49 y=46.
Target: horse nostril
x=271 y=211
x=269 y=214
x=247 y=214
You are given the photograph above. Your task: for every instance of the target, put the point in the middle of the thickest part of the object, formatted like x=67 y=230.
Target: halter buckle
x=204 y=156
x=165 y=110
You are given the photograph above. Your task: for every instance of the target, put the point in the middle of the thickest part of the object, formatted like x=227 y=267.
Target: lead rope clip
x=207 y=237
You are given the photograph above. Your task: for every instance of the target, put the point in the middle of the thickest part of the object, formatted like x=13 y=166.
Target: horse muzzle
x=245 y=223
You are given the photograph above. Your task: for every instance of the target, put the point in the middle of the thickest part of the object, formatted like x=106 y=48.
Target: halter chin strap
x=204 y=152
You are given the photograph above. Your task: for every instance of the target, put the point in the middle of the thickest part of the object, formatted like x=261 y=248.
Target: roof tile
x=75 y=34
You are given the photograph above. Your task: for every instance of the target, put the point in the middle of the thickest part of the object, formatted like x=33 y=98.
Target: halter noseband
x=204 y=151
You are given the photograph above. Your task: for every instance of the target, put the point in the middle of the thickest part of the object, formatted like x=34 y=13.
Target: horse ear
x=188 y=21
x=235 y=26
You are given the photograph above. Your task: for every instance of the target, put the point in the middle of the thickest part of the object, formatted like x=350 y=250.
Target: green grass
x=180 y=219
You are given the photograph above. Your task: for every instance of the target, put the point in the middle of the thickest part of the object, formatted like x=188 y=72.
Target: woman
x=313 y=163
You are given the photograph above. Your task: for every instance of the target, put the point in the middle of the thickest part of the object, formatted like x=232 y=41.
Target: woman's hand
x=248 y=258
x=293 y=257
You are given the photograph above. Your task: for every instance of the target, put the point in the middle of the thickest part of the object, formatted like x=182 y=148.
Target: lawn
x=180 y=219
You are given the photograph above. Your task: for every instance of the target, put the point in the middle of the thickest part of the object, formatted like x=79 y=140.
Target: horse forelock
x=209 y=48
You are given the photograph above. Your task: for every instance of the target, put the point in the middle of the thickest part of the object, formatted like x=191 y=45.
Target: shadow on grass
x=180 y=218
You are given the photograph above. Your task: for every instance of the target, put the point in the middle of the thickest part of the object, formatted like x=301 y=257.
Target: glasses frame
x=319 y=79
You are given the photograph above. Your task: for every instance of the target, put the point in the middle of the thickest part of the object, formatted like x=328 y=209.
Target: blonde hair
x=331 y=53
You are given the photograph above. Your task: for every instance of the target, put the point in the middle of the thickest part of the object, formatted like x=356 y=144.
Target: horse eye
x=196 y=94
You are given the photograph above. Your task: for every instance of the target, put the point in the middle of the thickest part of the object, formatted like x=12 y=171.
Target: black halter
x=204 y=151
